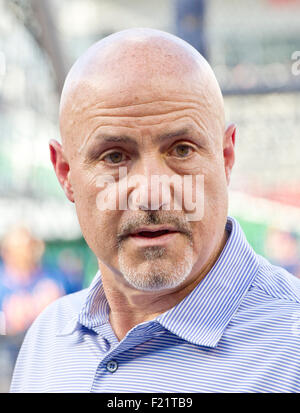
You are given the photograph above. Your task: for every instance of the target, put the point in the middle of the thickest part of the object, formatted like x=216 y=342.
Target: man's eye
x=182 y=150
x=114 y=157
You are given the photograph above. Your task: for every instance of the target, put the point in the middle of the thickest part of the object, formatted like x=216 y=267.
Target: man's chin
x=153 y=282
x=156 y=273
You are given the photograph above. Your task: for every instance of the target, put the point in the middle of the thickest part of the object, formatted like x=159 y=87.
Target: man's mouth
x=153 y=231
x=159 y=235
x=152 y=234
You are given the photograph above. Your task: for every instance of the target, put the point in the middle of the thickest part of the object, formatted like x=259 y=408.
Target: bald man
x=181 y=302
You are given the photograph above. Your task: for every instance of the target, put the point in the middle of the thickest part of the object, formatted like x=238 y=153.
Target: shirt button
x=112 y=366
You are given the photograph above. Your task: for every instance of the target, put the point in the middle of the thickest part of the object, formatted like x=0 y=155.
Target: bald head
x=135 y=67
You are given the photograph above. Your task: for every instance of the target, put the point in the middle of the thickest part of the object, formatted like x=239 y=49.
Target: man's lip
x=154 y=229
x=161 y=239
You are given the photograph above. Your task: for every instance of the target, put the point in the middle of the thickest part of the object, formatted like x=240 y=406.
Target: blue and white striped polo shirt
x=237 y=331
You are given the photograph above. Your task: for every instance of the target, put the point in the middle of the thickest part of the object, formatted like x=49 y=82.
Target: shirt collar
x=94 y=311
x=203 y=315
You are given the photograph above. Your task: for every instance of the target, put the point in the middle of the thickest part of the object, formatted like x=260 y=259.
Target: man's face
x=158 y=127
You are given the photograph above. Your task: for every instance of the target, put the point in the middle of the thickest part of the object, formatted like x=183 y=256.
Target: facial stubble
x=155 y=270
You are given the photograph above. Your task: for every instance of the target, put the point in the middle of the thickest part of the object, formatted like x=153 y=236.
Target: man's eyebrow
x=121 y=138
x=128 y=140
x=180 y=132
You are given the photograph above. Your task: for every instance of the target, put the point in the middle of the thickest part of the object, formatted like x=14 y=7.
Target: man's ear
x=61 y=168
x=228 y=150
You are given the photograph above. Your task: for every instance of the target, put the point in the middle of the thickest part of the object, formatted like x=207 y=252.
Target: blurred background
x=251 y=46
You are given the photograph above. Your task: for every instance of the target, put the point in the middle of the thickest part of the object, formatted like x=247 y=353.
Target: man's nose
x=153 y=190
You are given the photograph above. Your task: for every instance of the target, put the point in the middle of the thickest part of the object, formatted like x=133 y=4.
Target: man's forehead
x=135 y=71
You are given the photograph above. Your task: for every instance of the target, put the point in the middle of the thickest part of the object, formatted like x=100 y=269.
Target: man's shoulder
x=272 y=298
x=60 y=312
x=271 y=306
x=270 y=311
x=277 y=283
x=40 y=342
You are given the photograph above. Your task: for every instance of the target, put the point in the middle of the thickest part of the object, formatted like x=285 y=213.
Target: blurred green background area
x=75 y=248
x=252 y=47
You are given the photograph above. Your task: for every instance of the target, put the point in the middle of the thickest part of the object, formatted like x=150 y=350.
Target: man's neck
x=129 y=306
